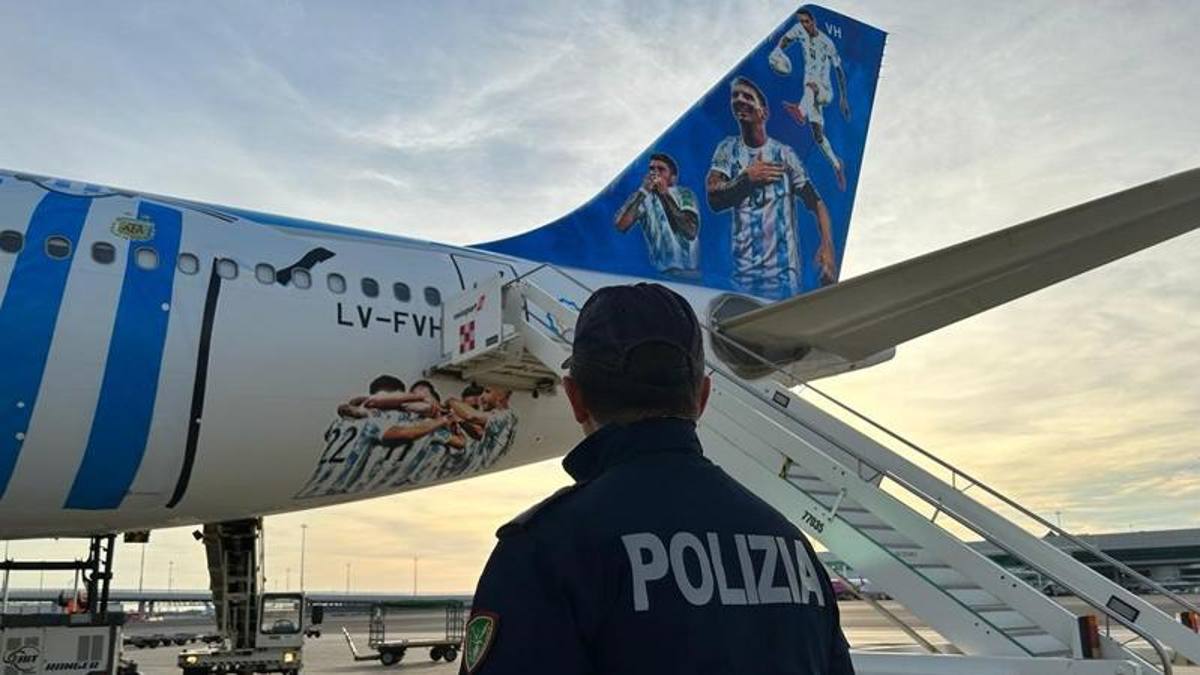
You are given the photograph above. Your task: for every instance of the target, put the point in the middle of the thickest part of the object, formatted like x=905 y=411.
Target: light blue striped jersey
x=669 y=250
x=820 y=55
x=497 y=436
x=766 y=251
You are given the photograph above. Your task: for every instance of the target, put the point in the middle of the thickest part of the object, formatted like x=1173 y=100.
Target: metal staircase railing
x=869 y=469
x=968 y=481
x=965 y=597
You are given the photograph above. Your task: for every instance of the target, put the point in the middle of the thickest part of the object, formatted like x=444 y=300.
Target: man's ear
x=705 y=390
x=578 y=407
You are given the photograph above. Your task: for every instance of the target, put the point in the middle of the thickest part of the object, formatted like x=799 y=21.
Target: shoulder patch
x=479 y=635
x=522 y=521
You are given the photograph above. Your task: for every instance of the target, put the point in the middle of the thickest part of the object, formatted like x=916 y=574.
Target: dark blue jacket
x=656 y=561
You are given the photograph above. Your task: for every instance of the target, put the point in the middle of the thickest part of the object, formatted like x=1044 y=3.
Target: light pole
x=288 y=585
x=347 y=578
x=303 y=538
x=4 y=604
x=142 y=571
x=415 y=559
x=170 y=575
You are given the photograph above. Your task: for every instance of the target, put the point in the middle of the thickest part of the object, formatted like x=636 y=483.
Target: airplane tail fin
x=751 y=190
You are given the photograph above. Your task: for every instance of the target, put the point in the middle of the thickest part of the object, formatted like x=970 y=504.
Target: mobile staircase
x=868 y=495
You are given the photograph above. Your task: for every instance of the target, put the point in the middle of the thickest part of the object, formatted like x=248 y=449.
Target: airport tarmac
x=864 y=628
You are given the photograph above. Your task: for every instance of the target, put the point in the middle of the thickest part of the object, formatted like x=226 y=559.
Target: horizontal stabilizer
x=873 y=312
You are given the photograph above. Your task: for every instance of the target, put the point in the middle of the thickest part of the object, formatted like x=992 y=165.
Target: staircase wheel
x=450 y=655
x=435 y=654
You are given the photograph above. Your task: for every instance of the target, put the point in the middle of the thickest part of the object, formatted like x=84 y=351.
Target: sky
x=465 y=122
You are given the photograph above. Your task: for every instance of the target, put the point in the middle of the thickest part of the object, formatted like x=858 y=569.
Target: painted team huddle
x=395 y=436
x=759 y=179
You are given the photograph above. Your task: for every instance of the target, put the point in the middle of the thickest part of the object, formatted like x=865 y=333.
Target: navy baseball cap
x=618 y=319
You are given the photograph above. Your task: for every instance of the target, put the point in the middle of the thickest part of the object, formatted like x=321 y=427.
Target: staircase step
x=1042 y=644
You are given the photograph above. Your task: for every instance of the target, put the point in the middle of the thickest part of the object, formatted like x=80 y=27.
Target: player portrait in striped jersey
x=759 y=179
x=821 y=59
x=668 y=216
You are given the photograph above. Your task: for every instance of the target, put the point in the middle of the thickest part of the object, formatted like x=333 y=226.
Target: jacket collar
x=616 y=444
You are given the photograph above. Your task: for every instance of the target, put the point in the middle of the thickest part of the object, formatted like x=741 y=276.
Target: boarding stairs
x=234 y=551
x=869 y=496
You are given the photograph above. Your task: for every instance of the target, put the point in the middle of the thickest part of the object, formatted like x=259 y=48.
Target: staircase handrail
x=899 y=480
x=975 y=482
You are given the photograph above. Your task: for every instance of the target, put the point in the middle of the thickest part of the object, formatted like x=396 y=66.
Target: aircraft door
x=476 y=270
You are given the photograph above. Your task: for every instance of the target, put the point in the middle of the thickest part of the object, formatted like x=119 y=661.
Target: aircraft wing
x=871 y=313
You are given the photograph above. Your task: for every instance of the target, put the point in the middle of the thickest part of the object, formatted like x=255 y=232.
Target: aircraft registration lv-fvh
x=167 y=362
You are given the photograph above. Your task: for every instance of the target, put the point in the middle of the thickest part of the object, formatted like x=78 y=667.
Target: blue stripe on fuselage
x=28 y=316
x=125 y=408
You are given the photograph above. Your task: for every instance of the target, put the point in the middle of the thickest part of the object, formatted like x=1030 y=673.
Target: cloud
x=432 y=121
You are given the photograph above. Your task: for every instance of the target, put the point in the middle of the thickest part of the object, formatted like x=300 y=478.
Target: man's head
x=426 y=387
x=386 y=384
x=806 y=20
x=747 y=101
x=663 y=165
x=495 y=398
x=638 y=353
x=471 y=394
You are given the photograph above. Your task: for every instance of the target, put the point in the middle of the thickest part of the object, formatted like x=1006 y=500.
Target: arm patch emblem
x=480 y=634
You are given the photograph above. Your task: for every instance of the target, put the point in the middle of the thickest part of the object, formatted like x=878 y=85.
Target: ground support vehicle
x=260 y=632
x=84 y=639
x=389 y=652
x=63 y=643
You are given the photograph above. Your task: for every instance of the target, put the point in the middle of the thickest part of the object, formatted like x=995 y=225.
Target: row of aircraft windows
x=146 y=258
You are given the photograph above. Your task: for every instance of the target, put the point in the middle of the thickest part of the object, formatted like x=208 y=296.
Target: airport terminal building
x=1169 y=557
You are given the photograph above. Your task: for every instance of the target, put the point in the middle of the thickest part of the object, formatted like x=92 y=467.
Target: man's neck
x=754 y=135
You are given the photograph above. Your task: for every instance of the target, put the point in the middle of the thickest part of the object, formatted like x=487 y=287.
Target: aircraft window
x=337 y=283
x=227 y=269
x=146 y=258
x=402 y=291
x=370 y=287
x=264 y=273
x=11 y=241
x=58 y=247
x=433 y=296
x=104 y=252
x=188 y=263
x=301 y=279
x=281 y=615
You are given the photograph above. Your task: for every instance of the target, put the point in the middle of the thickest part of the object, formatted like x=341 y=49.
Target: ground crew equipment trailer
x=390 y=652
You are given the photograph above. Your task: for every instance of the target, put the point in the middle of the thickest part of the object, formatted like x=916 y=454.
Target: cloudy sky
x=464 y=122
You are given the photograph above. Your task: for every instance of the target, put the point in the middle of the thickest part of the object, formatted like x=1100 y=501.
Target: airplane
x=170 y=362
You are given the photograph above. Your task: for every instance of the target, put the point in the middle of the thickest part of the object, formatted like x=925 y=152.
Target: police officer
x=655 y=560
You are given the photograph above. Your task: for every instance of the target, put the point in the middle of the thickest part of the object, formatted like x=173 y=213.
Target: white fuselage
x=238 y=388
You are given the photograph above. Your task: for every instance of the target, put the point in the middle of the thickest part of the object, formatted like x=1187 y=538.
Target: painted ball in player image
x=779 y=62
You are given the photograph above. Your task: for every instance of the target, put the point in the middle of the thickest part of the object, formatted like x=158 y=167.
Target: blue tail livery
x=752 y=189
